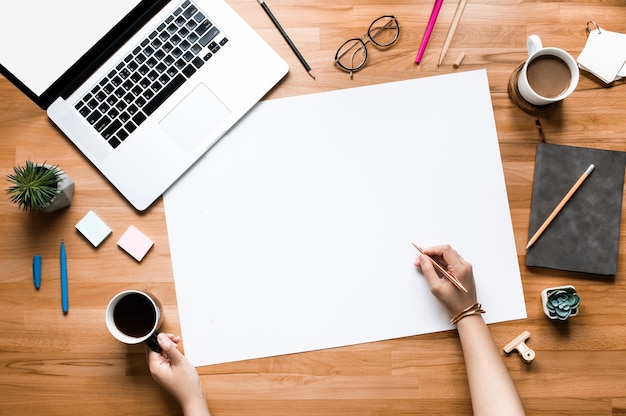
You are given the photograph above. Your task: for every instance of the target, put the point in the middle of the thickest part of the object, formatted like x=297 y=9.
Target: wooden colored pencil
x=455 y=22
x=560 y=206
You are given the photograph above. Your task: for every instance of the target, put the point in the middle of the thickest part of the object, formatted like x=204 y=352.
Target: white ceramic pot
x=544 y=302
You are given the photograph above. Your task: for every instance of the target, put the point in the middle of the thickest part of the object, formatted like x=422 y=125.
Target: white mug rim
x=119 y=335
x=563 y=56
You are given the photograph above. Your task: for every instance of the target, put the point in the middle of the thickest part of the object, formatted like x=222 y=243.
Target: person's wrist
x=471 y=310
x=195 y=407
x=470 y=323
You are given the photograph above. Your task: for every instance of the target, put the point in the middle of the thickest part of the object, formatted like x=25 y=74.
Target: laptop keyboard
x=152 y=72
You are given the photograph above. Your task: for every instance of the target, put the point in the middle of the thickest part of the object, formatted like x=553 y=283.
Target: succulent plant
x=562 y=302
x=33 y=186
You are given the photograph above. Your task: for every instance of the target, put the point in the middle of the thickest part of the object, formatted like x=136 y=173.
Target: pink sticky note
x=135 y=243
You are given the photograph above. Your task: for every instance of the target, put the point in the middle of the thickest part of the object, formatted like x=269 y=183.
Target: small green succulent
x=33 y=186
x=563 y=302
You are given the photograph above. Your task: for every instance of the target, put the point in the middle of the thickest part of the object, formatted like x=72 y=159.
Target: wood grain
x=69 y=365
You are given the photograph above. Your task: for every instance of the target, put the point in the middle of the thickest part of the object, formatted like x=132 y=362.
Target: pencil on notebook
x=452 y=278
x=560 y=206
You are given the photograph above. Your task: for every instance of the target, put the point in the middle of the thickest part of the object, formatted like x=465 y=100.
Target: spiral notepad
x=604 y=54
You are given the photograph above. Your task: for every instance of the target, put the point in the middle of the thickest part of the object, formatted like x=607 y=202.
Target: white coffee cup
x=133 y=317
x=549 y=74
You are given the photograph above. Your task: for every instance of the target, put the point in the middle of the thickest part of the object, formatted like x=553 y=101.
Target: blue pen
x=64 y=301
x=37 y=271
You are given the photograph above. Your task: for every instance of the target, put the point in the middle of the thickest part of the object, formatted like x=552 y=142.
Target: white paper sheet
x=294 y=232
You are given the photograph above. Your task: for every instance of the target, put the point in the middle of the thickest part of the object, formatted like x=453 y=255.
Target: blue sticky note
x=93 y=228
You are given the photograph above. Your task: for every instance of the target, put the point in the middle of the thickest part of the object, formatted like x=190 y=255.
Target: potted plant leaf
x=560 y=302
x=40 y=187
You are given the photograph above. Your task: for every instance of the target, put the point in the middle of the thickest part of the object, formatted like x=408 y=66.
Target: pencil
x=452 y=278
x=287 y=39
x=429 y=30
x=455 y=22
x=560 y=206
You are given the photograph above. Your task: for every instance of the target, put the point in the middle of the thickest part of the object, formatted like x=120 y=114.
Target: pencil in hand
x=452 y=278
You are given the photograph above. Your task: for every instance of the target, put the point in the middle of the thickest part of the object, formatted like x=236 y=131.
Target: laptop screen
x=42 y=41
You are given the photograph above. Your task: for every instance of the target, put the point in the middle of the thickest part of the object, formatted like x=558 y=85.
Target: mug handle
x=533 y=44
x=153 y=343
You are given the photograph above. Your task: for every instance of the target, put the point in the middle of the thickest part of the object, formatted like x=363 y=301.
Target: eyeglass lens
x=384 y=31
x=351 y=56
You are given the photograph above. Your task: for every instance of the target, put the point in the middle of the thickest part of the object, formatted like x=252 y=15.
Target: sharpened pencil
x=560 y=206
x=429 y=30
x=455 y=22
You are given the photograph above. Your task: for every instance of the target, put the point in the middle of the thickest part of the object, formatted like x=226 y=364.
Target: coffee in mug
x=548 y=76
x=133 y=317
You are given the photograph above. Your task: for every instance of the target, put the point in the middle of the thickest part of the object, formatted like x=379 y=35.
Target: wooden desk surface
x=69 y=365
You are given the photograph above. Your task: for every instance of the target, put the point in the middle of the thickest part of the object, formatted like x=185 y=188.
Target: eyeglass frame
x=362 y=41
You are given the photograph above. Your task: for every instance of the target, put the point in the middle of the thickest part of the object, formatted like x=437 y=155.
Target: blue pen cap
x=37 y=271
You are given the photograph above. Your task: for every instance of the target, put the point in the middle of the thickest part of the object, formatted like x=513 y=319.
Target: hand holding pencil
x=453 y=298
x=452 y=278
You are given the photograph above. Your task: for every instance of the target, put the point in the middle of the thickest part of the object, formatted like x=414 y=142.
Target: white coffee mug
x=549 y=74
x=133 y=317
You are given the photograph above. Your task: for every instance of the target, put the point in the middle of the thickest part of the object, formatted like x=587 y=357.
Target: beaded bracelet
x=471 y=310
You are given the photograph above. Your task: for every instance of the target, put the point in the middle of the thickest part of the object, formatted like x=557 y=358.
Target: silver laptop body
x=164 y=96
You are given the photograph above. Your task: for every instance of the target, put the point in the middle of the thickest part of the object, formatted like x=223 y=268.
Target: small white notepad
x=604 y=55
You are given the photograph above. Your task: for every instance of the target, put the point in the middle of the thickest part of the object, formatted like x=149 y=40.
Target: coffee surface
x=134 y=315
x=549 y=76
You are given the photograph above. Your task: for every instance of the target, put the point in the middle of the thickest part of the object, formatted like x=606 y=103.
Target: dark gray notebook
x=584 y=236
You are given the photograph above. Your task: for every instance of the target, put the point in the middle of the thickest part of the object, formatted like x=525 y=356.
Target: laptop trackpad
x=195 y=118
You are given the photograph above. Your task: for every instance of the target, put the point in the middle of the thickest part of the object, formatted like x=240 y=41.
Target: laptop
x=142 y=87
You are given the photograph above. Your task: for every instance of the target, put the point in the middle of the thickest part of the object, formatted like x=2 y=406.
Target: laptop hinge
x=101 y=51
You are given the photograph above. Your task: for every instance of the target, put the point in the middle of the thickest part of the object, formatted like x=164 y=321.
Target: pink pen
x=429 y=30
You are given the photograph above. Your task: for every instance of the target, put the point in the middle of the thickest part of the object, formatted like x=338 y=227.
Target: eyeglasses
x=383 y=32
